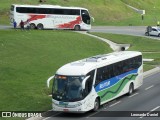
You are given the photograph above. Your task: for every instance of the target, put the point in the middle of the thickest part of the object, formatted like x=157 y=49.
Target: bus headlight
x=55 y=104
x=73 y=106
x=77 y=105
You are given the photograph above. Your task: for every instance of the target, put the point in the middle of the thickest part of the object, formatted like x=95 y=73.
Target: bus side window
x=98 y=76
x=124 y=66
x=111 y=71
x=139 y=61
x=120 y=67
x=115 y=69
x=130 y=64
x=108 y=72
x=89 y=82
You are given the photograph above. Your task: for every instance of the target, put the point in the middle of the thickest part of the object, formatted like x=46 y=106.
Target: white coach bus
x=86 y=84
x=51 y=16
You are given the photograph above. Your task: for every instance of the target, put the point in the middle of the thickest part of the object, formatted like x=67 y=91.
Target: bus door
x=85 y=17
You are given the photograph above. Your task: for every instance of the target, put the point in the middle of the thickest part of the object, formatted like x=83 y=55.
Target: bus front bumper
x=77 y=108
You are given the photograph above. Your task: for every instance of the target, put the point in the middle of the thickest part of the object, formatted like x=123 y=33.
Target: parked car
x=155 y=31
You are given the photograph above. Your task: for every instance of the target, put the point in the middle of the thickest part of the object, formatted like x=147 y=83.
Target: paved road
x=146 y=98
x=126 y=30
x=130 y=30
x=5 y=27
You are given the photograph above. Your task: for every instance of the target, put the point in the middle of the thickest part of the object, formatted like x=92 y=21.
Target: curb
x=114 y=46
x=151 y=72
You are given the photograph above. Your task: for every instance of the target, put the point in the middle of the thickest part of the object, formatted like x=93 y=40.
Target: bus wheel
x=32 y=26
x=158 y=35
x=40 y=26
x=131 y=89
x=96 y=105
x=77 y=28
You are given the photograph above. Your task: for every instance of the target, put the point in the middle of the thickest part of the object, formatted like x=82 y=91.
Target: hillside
x=150 y=6
x=105 y=12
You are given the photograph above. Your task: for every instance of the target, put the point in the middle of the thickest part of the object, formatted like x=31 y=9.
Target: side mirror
x=48 y=81
x=92 y=19
x=84 y=82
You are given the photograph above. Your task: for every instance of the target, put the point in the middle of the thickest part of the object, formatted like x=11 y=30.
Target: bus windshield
x=12 y=8
x=67 y=88
x=85 y=16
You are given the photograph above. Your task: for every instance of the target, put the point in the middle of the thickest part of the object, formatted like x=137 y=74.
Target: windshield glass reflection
x=67 y=88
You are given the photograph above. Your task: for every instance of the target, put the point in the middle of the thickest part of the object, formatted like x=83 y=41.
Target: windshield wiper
x=74 y=99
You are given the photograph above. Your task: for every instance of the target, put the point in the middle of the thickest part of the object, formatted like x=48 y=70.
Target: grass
x=151 y=8
x=29 y=58
x=147 y=67
x=149 y=47
x=105 y=12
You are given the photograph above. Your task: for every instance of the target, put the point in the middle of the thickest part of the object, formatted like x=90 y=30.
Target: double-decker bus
x=51 y=16
x=86 y=84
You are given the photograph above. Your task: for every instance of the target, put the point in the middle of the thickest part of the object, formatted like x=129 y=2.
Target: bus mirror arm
x=84 y=82
x=92 y=19
x=49 y=79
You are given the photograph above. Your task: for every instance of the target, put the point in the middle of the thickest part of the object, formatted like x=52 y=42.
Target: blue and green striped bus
x=86 y=84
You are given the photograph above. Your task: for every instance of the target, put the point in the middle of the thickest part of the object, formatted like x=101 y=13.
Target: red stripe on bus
x=71 y=24
x=36 y=17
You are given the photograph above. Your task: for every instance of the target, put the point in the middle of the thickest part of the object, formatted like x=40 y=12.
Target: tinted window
x=154 y=29
x=85 y=16
x=89 y=82
x=48 y=11
x=71 y=12
x=118 y=68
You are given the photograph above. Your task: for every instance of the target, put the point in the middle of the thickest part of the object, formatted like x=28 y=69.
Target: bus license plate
x=65 y=110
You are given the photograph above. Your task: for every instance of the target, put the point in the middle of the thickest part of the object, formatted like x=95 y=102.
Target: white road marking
x=102 y=108
x=155 y=108
x=151 y=110
x=115 y=104
x=133 y=95
x=149 y=87
x=46 y=118
x=93 y=114
x=52 y=116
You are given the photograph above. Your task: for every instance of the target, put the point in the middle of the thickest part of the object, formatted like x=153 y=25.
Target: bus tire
x=96 y=104
x=40 y=26
x=32 y=26
x=131 y=89
x=77 y=28
x=158 y=35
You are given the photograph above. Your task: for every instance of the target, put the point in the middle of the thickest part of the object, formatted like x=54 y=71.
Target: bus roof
x=82 y=67
x=48 y=6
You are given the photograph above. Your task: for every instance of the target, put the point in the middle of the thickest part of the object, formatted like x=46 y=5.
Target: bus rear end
x=12 y=9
